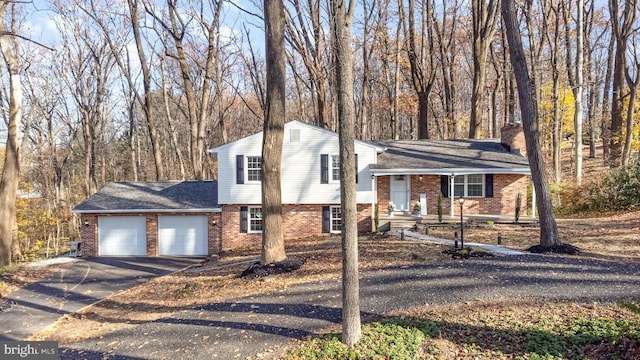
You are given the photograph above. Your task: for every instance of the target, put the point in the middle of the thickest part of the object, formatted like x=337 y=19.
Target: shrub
x=439 y=207
x=619 y=190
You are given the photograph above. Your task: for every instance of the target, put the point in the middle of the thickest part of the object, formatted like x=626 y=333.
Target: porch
x=405 y=221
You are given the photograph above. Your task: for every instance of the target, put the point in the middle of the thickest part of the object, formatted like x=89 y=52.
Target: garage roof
x=156 y=196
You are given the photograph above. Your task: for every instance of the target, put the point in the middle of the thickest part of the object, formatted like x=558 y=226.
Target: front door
x=400 y=192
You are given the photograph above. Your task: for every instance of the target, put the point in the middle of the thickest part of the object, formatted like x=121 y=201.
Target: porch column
x=374 y=198
x=452 y=194
x=533 y=200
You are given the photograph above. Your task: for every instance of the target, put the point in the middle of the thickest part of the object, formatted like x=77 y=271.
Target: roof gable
x=294 y=123
x=158 y=196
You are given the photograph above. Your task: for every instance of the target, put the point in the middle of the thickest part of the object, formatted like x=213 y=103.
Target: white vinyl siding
x=182 y=235
x=122 y=236
x=300 y=169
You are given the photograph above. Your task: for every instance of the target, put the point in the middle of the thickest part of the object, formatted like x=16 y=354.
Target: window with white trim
x=255 y=219
x=254 y=168
x=336 y=219
x=335 y=168
x=469 y=185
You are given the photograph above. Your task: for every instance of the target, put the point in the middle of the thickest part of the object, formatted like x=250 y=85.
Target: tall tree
x=11 y=168
x=622 y=28
x=485 y=18
x=529 y=111
x=632 y=75
x=421 y=54
x=273 y=135
x=341 y=19
x=576 y=78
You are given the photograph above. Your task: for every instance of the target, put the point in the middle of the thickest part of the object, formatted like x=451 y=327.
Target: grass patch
x=565 y=331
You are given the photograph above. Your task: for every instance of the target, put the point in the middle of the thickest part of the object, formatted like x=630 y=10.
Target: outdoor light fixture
x=214 y=222
x=461 y=201
x=86 y=223
x=420 y=178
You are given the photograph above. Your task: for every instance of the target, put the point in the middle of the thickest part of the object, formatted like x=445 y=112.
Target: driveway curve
x=246 y=327
x=79 y=282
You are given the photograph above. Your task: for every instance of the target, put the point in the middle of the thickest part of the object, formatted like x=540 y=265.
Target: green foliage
x=439 y=201
x=399 y=338
x=633 y=307
x=376 y=217
x=496 y=336
x=619 y=190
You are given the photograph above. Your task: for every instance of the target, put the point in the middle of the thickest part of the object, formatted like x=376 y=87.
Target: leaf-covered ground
x=614 y=236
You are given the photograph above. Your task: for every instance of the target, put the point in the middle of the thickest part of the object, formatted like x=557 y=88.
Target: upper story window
x=254 y=168
x=469 y=185
x=335 y=167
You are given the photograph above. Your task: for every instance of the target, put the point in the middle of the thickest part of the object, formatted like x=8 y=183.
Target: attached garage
x=182 y=235
x=159 y=218
x=122 y=236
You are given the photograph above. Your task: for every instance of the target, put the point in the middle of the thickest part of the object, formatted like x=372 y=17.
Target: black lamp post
x=461 y=201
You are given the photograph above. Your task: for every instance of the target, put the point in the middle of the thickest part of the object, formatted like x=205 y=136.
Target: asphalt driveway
x=245 y=327
x=79 y=283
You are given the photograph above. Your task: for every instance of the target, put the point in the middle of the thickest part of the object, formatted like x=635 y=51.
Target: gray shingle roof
x=448 y=154
x=153 y=196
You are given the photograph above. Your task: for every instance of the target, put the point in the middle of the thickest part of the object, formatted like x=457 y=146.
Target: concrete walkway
x=495 y=249
x=79 y=283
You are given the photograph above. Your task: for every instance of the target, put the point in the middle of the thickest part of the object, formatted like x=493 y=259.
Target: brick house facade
x=402 y=171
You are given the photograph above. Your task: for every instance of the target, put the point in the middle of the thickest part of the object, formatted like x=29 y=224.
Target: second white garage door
x=182 y=235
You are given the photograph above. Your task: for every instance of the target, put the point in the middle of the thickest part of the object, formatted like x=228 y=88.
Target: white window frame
x=333 y=170
x=254 y=216
x=466 y=184
x=246 y=169
x=334 y=218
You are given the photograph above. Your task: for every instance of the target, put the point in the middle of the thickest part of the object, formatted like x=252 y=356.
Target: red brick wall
x=505 y=189
x=89 y=232
x=298 y=221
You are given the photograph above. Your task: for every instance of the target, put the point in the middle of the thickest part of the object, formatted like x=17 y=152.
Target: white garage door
x=182 y=235
x=122 y=236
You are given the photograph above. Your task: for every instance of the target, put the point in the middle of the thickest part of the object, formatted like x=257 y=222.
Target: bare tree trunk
x=11 y=169
x=529 y=111
x=422 y=74
x=576 y=80
x=485 y=18
x=633 y=91
x=622 y=32
x=606 y=122
x=272 y=237
x=342 y=16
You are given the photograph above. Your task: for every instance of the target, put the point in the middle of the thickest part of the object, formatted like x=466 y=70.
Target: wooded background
x=137 y=90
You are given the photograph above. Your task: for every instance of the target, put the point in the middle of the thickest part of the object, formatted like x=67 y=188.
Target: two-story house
x=204 y=217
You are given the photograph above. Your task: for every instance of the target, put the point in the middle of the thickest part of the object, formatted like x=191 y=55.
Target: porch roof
x=443 y=157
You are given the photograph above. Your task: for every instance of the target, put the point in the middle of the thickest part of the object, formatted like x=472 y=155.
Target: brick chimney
x=512 y=138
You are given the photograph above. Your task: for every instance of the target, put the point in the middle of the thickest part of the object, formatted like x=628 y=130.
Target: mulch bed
x=556 y=249
x=256 y=270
